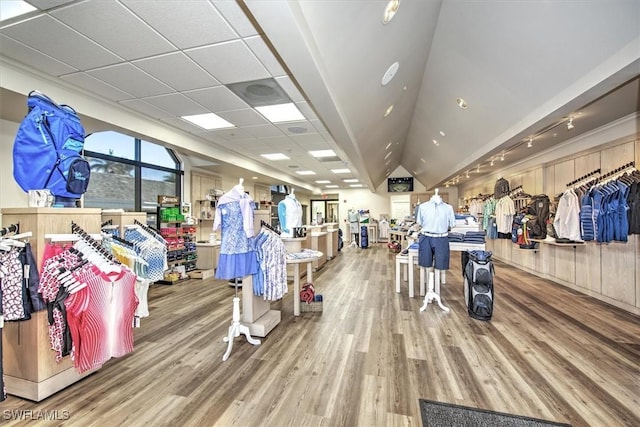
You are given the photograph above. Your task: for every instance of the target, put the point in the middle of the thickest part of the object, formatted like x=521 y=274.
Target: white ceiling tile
x=232 y=134
x=295 y=125
x=131 y=79
x=264 y=54
x=47 y=4
x=33 y=58
x=197 y=24
x=288 y=86
x=306 y=110
x=44 y=33
x=229 y=62
x=96 y=86
x=211 y=137
x=186 y=126
x=147 y=109
x=115 y=28
x=217 y=99
x=178 y=71
x=236 y=17
x=177 y=104
x=246 y=117
x=263 y=131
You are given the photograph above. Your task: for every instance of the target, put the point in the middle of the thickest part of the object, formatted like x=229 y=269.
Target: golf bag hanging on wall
x=478 y=275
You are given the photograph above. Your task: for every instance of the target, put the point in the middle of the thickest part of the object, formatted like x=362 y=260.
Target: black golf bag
x=478 y=275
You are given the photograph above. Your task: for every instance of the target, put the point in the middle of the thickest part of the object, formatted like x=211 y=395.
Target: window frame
x=138 y=165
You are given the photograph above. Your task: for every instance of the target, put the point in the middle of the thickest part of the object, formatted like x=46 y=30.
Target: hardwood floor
x=548 y=353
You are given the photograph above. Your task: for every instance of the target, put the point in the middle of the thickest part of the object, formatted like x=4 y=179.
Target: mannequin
x=354 y=226
x=435 y=218
x=234 y=216
x=289 y=214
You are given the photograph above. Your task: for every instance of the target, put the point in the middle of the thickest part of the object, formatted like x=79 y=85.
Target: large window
x=128 y=173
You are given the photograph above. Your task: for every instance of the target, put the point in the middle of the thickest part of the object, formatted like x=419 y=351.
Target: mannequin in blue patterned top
x=234 y=216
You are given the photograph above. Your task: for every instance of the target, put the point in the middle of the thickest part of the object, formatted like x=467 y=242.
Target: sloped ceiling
x=522 y=67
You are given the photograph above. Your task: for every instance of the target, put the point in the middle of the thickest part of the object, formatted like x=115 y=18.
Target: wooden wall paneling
x=589 y=267
x=547 y=260
x=637 y=154
x=564 y=173
x=614 y=157
x=587 y=163
x=565 y=260
x=617 y=281
x=528 y=182
x=549 y=179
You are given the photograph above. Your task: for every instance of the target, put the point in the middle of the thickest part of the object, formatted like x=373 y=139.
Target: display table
x=207 y=261
x=319 y=244
x=332 y=243
x=296 y=278
x=398 y=236
x=372 y=230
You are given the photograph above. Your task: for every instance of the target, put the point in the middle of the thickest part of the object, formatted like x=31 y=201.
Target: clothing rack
x=582 y=178
x=76 y=229
x=617 y=171
x=107 y=222
x=13 y=228
x=269 y=226
x=515 y=191
x=122 y=241
x=147 y=228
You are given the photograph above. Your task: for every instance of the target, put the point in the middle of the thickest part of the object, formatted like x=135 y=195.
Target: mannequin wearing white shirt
x=436 y=219
x=289 y=214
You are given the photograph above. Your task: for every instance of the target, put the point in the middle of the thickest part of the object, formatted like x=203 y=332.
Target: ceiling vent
x=260 y=93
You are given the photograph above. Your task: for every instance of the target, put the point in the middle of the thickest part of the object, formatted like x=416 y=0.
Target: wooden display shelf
x=30 y=369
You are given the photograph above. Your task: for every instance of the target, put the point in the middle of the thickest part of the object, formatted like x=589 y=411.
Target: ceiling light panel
x=356 y=185
x=208 y=121
x=307 y=172
x=11 y=9
x=331 y=186
x=322 y=153
x=281 y=113
x=275 y=156
x=350 y=180
x=339 y=171
x=323 y=181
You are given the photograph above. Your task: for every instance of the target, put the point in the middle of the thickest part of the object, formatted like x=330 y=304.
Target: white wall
x=11 y=195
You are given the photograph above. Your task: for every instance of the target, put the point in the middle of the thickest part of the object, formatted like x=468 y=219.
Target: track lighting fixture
x=467 y=175
x=570 y=124
x=491 y=162
x=530 y=143
x=502 y=157
x=478 y=169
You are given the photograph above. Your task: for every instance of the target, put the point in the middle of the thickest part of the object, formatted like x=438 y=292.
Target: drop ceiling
x=523 y=68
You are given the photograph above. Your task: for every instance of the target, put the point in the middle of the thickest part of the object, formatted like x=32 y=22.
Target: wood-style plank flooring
x=548 y=353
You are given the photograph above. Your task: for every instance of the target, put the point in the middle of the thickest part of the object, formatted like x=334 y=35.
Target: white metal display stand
x=432 y=295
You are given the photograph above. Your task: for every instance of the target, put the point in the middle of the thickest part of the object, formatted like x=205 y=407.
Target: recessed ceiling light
x=254 y=177
x=502 y=157
x=323 y=181
x=305 y=172
x=331 y=186
x=390 y=11
x=388 y=110
x=441 y=133
x=355 y=185
x=275 y=156
x=350 y=180
x=530 y=143
x=423 y=160
x=208 y=121
x=570 y=124
x=462 y=103
x=322 y=153
x=386 y=156
x=390 y=73
x=11 y=9
x=281 y=113
x=388 y=145
x=340 y=170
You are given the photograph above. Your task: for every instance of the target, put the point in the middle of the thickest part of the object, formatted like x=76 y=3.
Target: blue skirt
x=231 y=266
